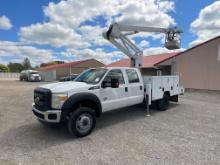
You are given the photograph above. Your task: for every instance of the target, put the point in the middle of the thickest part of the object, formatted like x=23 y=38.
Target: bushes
x=3 y=68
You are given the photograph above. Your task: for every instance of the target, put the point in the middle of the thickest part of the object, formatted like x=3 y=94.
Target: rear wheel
x=164 y=103
x=81 y=122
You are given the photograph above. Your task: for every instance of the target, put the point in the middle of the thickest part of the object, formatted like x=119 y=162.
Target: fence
x=9 y=76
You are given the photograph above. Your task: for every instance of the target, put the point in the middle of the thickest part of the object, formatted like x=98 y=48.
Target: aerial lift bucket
x=172 y=40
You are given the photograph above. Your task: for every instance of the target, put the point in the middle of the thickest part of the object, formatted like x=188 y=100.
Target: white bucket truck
x=78 y=103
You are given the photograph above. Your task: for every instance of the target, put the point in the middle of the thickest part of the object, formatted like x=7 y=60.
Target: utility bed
x=156 y=86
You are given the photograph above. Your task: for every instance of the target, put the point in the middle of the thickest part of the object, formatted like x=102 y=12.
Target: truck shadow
x=36 y=136
x=132 y=113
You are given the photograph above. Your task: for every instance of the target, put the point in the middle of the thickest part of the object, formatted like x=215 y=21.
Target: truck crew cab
x=98 y=90
x=79 y=102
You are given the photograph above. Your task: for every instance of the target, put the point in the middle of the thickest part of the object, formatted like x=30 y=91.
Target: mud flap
x=174 y=98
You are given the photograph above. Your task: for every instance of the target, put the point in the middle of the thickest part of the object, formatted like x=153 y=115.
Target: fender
x=73 y=101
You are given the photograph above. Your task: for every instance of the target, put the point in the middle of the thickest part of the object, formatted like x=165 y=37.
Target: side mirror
x=114 y=83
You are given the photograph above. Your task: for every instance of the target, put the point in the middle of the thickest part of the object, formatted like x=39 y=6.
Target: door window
x=116 y=74
x=132 y=76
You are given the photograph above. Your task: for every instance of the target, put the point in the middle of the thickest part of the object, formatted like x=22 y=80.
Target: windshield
x=34 y=72
x=91 y=76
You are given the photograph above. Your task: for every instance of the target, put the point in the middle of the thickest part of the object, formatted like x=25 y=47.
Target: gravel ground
x=187 y=133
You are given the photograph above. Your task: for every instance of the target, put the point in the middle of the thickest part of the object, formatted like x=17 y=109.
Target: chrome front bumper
x=50 y=116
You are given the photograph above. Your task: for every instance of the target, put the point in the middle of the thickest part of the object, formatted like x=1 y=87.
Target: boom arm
x=117 y=35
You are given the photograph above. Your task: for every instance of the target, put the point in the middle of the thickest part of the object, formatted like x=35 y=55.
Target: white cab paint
x=114 y=98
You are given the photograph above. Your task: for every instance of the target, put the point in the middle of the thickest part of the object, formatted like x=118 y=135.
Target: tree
x=3 y=68
x=35 y=67
x=15 y=67
x=26 y=64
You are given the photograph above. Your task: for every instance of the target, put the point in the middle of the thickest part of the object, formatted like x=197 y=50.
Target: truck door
x=113 y=98
x=135 y=87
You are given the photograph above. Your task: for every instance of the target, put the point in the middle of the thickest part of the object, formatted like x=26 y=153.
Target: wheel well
x=167 y=93
x=88 y=103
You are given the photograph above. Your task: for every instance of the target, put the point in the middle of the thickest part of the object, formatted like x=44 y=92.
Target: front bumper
x=35 y=79
x=50 y=116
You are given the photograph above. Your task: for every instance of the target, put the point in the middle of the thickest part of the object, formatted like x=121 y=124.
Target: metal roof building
x=198 y=67
x=54 y=72
x=148 y=61
x=150 y=64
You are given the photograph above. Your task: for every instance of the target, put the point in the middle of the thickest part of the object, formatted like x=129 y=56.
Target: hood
x=68 y=86
x=35 y=75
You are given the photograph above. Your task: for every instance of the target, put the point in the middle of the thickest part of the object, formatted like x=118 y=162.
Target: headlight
x=58 y=99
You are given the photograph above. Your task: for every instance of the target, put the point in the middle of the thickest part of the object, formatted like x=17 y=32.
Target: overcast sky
x=45 y=30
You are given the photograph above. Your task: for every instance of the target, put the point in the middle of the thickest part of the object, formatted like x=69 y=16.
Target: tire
x=164 y=103
x=81 y=122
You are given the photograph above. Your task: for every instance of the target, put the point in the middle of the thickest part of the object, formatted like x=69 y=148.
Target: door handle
x=126 y=89
x=141 y=87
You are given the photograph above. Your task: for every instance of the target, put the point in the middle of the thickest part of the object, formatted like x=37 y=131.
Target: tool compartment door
x=157 y=86
x=176 y=87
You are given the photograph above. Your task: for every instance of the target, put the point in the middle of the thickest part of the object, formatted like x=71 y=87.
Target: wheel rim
x=84 y=123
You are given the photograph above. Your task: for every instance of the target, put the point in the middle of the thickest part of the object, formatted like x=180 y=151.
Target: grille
x=36 y=78
x=42 y=99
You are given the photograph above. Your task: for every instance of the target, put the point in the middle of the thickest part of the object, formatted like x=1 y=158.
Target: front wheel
x=82 y=121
